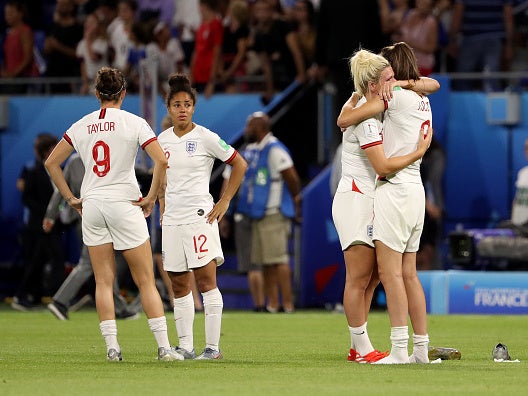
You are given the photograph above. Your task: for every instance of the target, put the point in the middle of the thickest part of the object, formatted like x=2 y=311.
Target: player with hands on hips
x=113 y=211
x=189 y=216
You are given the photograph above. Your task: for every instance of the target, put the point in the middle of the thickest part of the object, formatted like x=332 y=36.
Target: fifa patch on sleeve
x=371 y=130
x=223 y=144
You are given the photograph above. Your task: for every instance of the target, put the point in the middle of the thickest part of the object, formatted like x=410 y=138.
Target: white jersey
x=520 y=203
x=107 y=141
x=191 y=159
x=405 y=115
x=358 y=174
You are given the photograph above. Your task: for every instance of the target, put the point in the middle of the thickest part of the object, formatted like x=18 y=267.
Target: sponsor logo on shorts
x=200 y=212
x=370 y=231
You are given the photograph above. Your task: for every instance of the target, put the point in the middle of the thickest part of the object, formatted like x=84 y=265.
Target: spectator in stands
x=187 y=19
x=234 y=46
x=304 y=17
x=271 y=196
x=120 y=33
x=39 y=248
x=444 y=63
x=392 y=14
x=112 y=26
x=168 y=52
x=419 y=29
x=277 y=44
x=136 y=52
x=60 y=45
x=481 y=38
x=18 y=60
x=93 y=51
x=207 y=48
x=57 y=211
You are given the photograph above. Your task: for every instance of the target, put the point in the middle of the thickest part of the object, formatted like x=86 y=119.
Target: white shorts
x=399 y=215
x=188 y=246
x=117 y=222
x=353 y=214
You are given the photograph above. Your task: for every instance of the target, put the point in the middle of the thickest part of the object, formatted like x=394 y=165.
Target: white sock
x=359 y=339
x=109 y=332
x=399 y=339
x=184 y=319
x=213 y=306
x=421 y=348
x=158 y=326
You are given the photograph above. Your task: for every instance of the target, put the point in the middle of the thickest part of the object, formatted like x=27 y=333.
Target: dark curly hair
x=109 y=83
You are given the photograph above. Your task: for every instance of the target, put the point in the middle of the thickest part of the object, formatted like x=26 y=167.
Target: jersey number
x=167 y=155
x=101 y=156
x=199 y=242
x=425 y=126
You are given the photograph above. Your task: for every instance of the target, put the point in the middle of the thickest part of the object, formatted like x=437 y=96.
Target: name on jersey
x=424 y=105
x=107 y=126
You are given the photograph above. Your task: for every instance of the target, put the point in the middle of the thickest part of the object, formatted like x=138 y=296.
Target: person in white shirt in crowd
x=187 y=19
x=93 y=51
x=167 y=51
x=120 y=33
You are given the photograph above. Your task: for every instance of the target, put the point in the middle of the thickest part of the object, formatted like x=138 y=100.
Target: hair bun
x=179 y=81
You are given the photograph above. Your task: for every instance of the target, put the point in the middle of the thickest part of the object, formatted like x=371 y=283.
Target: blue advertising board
x=488 y=292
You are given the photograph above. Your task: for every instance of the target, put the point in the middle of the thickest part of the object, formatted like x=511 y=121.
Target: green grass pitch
x=264 y=354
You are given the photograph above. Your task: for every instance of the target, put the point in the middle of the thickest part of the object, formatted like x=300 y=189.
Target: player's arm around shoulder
x=422 y=86
x=353 y=115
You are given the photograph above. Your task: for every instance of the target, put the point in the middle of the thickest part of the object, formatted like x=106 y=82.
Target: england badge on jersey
x=190 y=146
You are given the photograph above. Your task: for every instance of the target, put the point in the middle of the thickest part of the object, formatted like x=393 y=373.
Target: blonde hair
x=365 y=67
x=240 y=11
